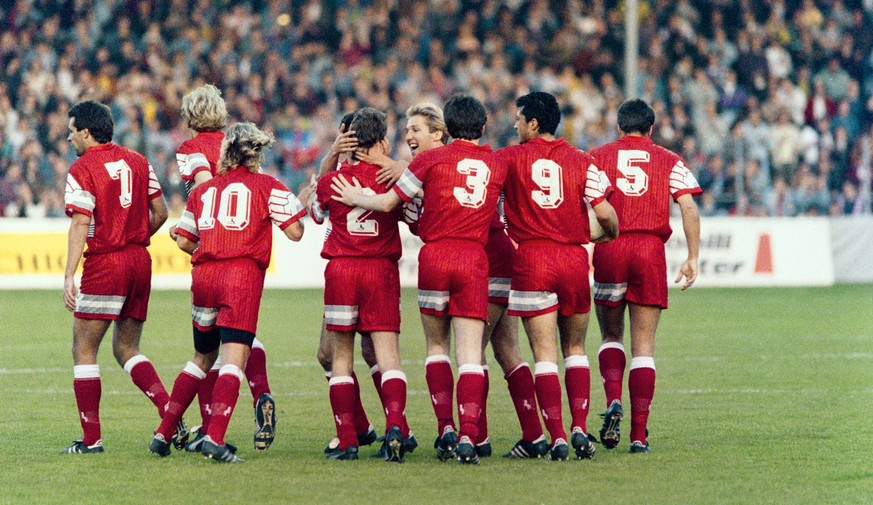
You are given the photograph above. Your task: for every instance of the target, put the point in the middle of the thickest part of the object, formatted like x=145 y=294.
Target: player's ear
x=386 y=147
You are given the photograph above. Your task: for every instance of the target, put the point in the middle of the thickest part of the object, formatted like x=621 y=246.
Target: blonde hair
x=433 y=118
x=204 y=109
x=243 y=145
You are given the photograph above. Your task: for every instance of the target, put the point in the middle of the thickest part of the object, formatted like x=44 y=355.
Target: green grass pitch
x=763 y=396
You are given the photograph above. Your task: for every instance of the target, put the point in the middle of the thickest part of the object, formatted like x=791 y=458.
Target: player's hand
x=688 y=270
x=603 y=239
x=173 y=234
x=346 y=192
x=390 y=174
x=306 y=193
x=345 y=142
x=70 y=293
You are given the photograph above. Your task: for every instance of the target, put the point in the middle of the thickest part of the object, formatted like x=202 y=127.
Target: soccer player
x=548 y=184
x=631 y=272
x=226 y=228
x=205 y=112
x=362 y=293
x=115 y=204
x=460 y=183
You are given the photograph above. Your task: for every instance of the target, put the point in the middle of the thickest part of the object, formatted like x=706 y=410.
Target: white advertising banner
x=757 y=252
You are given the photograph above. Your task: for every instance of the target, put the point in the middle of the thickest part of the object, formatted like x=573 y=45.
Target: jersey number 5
x=478 y=176
x=635 y=181
x=120 y=170
x=233 y=209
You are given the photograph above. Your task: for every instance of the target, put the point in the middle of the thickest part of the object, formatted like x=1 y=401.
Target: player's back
x=234 y=213
x=462 y=182
x=545 y=191
x=646 y=177
x=114 y=185
x=356 y=232
x=200 y=153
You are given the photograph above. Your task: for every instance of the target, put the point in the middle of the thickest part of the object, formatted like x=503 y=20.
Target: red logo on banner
x=764 y=258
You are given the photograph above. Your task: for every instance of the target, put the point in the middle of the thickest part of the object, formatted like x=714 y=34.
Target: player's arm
x=157 y=213
x=189 y=246
x=201 y=177
x=345 y=142
x=295 y=231
x=389 y=171
x=75 y=248
x=691 y=226
x=353 y=196
x=608 y=219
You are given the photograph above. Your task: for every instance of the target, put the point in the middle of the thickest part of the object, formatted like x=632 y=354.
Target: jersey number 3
x=478 y=176
x=234 y=207
x=634 y=182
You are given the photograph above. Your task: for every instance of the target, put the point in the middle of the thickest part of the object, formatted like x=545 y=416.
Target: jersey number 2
x=234 y=207
x=634 y=182
x=357 y=222
x=478 y=176
x=120 y=170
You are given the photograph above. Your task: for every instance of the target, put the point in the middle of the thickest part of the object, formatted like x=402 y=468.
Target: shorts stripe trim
x=204 y=316
x=610 y=292
x=532 y=301
x=498 y=287
x=434 y=300
x=99 y=304
x=341 y=315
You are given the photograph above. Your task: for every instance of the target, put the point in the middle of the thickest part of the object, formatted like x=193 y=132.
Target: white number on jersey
x=547 y=175
x=635 y=181
x=357 y=222
x=478 y=176
x=233 y=209
x=121 y=170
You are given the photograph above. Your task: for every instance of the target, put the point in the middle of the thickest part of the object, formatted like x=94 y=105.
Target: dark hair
x=635 y=116
x=347 y=121
x=543 y=107
x=95 y=117
x=370 y=126
x=465 y=117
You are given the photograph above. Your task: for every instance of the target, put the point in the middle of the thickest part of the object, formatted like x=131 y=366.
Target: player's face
x=76 y=137
x=522 y=127
x=419 y=138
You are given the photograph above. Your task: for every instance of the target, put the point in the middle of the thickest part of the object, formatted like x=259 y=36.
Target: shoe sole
x=395 y=449
x=265 y=418
x=609 y=434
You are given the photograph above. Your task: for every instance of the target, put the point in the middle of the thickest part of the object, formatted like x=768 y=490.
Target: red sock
x=523 y=394
x=471 y=382
x=144 y=375
x=256 y=371
x=441 y=385
x=204 y=397
x=577 y=380
x=362 y=423
x=612 y=362
x=548 y=388
x=184 y=390
x=394 y=400
x=224 y=398
x=483 y=411
x=342 y=402
x=87 y=388
x=641 y=386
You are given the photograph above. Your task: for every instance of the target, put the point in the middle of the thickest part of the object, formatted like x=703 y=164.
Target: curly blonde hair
x=243 y=145
x=433 y=118
x=204 y=109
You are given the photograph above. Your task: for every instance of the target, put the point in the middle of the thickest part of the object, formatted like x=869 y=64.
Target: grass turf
x=763 y=396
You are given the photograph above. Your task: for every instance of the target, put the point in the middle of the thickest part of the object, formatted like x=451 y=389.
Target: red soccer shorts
x=362 y=294
x=501 y=256
x=227 y=294
x=115 y=285
x=632 y=267
x=550 y=276
x=453 y=279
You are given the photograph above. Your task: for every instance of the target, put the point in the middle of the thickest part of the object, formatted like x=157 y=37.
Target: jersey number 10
x=234 y=207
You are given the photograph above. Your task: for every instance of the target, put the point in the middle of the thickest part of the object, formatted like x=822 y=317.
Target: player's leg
x=235 y=349
x=440 y=381
x=368 y=352
x=495 y=315
x=125 y=347
x=394 y=387
x=542 y=333
x=577 y=380
x=87 y=335
x=641 y=378
x=256 y=375
x=471 y=382
x=342 y=393
x=611 y=355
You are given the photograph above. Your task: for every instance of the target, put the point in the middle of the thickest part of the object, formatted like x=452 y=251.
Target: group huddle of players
x=503 y=235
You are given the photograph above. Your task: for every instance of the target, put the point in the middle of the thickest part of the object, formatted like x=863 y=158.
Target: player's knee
x=323 y=358
x=368 y=352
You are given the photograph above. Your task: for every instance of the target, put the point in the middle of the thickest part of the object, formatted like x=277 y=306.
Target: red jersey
x=198 y=154
x=230 y=216
x=113 y=185
x=461 y=183
x=356 y=232
x=546 y=189
x=646 y=176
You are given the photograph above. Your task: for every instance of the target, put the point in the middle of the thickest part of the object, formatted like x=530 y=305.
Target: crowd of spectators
x=769 y=102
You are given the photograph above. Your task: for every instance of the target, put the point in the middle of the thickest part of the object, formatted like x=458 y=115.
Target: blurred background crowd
x=769 y=102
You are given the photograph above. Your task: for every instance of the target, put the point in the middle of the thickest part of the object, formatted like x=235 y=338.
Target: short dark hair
x=465 y=117
x=543 y=107
x=370 y=126
x=347 y=121
x=635 y=116
x=95 y=117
